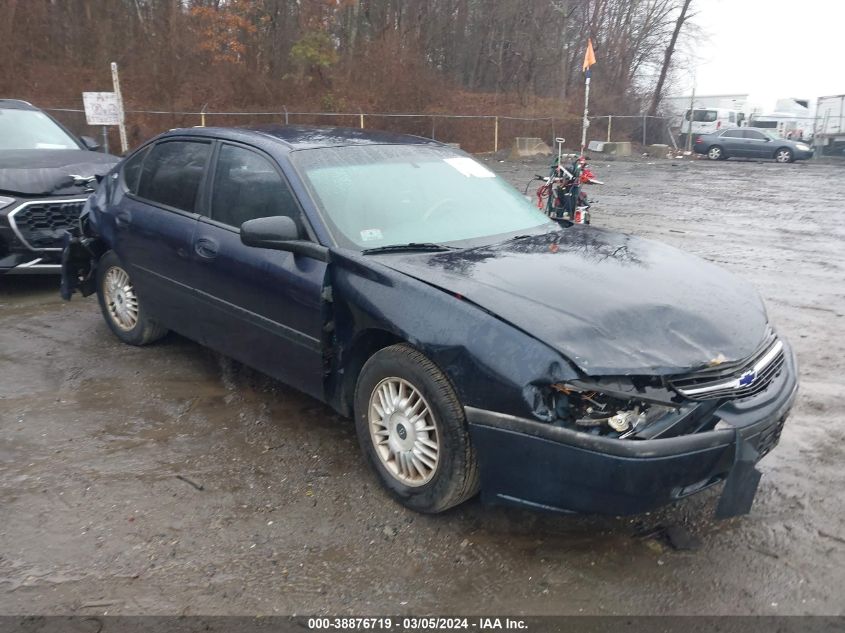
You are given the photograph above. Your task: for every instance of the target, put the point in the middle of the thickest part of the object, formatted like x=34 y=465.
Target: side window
x=754 y=134
x=733 y=134
x=247 y=186
x=132 y=170
x=172 y=172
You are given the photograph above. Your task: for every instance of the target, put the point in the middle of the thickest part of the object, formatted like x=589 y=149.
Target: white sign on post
x=101 y=108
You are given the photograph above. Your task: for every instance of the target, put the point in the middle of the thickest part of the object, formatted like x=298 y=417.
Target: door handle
x=206 y=248
x=123 y=218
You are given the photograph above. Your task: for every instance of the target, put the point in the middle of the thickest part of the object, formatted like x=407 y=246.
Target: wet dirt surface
x=170 y=480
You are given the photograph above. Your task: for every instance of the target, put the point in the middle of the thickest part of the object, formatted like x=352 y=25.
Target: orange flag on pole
x=589 y=56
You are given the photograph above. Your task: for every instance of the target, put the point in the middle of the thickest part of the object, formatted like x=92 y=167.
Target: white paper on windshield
x=368 y=235
x=469 y=167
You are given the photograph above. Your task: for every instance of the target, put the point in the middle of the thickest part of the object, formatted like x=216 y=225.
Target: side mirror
x=280 y=233
x=90 y=143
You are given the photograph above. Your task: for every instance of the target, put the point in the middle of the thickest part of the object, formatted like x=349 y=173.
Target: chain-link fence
x=476 y=133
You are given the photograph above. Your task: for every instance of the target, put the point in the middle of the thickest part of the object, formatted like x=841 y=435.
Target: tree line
x=504 y=56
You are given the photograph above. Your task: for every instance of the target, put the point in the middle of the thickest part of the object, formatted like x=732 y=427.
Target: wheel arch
x=360 y=349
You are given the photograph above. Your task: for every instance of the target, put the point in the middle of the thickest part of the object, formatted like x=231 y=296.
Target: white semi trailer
x=830 y=126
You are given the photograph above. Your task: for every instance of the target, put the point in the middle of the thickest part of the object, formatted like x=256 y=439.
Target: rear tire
x=784 y=155
x=715 y=152
x=413 y=432
x=122 y=309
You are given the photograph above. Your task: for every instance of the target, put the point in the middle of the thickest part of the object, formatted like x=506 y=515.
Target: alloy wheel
x=404 y=431
x=121 y=299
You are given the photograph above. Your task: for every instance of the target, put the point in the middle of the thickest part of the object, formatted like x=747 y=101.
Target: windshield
x=379 y=195
x=30 y=129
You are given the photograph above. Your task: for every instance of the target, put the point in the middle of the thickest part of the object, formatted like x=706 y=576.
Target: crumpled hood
x=613 y=304
x=39 y=172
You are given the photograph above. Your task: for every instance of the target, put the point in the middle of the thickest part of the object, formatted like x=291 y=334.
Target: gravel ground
x=170 y=480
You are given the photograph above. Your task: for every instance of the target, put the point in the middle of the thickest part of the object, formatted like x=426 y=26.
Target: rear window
x=172 y=172
x=703 y=116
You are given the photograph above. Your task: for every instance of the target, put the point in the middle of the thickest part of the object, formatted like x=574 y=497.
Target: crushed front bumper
x=529 y=463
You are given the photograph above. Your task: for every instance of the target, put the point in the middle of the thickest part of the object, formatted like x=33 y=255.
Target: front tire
x=784 y=155
x=413 y=432
x=715 y=152
x=122 y=309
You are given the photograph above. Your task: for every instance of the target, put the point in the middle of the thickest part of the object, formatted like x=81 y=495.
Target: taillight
x=698 y=140
x=579 y=216
x=718 y=124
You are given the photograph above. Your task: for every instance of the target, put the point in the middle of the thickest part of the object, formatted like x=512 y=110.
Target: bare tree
x=667 y=59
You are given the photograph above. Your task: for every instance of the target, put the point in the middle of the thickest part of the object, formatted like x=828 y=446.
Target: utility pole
x=688 y=144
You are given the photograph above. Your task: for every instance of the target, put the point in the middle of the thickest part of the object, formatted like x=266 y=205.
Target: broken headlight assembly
x=618 y=413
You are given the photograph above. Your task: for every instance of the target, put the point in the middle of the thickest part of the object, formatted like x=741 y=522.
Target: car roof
x=306 y=137
x=16 y=104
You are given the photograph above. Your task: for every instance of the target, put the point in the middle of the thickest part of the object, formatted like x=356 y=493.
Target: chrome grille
x=738 y=380
x=40 y=224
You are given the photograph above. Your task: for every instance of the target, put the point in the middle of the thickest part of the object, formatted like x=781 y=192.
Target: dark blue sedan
x=477 y=344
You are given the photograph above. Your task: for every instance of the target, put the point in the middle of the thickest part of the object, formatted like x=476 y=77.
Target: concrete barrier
x=615 y=148
x=526 y=146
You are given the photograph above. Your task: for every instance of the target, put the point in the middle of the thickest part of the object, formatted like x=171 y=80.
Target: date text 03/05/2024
x=412 y=623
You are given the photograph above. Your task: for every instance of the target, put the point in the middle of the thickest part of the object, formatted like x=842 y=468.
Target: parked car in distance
x=477 y=344
x=46 y=174
x=749 y=142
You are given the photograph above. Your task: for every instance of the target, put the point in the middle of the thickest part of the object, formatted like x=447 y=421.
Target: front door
x=262 y=307
x=759 y=145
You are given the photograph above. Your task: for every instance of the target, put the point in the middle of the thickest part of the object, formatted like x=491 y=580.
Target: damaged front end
x=625 y=445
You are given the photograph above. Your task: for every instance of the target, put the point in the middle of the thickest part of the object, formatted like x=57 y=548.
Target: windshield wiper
x=409 y=247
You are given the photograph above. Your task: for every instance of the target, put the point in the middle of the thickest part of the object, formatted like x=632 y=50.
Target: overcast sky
x=768 y=49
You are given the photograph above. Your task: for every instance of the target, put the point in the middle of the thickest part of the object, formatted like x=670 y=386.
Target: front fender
x=490 y=363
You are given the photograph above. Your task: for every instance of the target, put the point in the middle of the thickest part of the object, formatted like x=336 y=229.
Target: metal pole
x=124 y=145
x=362 y=119
x=202 y=115
x=433 y=120
x=286 y=114
x=586 y=122
x=105 y=139
x=496 y=135
x=645 y=122
x=609 y=126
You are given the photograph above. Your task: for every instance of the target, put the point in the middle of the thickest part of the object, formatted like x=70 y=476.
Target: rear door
x=154 y=226
x=734 y=143
x=260 y=306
